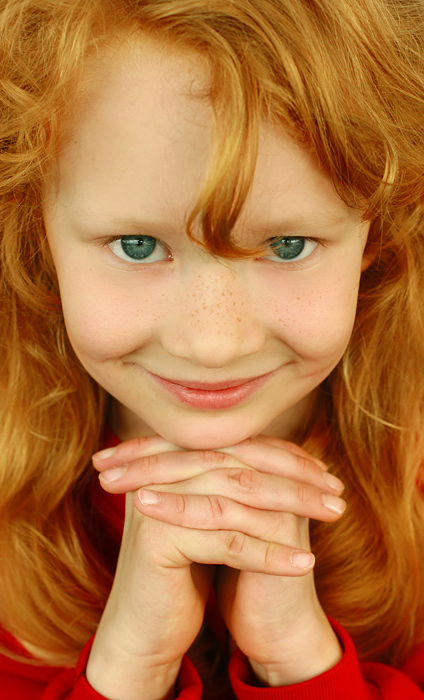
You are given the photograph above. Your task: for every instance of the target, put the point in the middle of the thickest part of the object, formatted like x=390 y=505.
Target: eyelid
x=273 y=239
x=292 y=264
x=106 y=243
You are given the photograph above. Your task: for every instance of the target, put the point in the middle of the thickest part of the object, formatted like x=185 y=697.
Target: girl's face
x=142 y=301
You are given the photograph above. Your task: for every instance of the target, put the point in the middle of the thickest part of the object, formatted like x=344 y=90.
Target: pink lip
x=214 y=396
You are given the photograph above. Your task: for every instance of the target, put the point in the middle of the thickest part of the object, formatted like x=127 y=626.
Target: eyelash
x=158 y=245
x=291 y=265
x=294 y=264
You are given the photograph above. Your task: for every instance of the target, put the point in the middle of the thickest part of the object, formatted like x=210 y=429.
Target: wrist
x=302 y=657
x=122 y=677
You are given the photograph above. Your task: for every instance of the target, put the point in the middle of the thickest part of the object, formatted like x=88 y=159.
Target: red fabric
x=348 y=680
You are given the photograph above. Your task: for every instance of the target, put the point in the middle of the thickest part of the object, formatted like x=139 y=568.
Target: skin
x=235 y=491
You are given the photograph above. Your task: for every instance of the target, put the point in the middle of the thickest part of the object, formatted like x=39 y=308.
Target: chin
x=208 y=437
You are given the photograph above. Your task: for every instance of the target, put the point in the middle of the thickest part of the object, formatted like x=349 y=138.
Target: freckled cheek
x=105 y=324
x=318 y=325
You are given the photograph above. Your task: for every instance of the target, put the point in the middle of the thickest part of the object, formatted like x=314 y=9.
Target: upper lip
x=211 y=386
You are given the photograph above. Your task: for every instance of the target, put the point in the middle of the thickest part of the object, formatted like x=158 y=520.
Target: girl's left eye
x=139 y=249
x=290 y=249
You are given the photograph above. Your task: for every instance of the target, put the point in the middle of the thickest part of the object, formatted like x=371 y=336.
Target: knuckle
x=181 y=503
x=235 y=543
x=139 y=443
x=213 y=459
x=150 y=462
x=245 y=479
x=270 y=555
x=304 y=465
x=303 y=494
x=217 y=506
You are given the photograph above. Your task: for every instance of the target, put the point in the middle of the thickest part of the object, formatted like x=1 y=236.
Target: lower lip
x=212 y=400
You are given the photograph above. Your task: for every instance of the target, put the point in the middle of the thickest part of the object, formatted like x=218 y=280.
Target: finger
x=269 y=492
x=281 y=457
x=264 y=492
x=173 y=467
x=279 y=442
x=236 y=550
x=163 y=468
x=216 y=513
x=290 y=447
x=130 y=450
x=255 y=445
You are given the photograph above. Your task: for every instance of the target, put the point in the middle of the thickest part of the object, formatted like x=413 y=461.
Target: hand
x=245 y=507
x=155 y=608
x=285 y=633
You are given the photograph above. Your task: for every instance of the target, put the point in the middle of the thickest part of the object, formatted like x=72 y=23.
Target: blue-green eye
x=139 y=249
x=291 y=249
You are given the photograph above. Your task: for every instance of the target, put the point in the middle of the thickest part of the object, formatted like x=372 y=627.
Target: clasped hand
x=244 y=510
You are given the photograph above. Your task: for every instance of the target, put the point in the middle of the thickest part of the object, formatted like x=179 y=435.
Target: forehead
x=141 y=138
x=141 y=115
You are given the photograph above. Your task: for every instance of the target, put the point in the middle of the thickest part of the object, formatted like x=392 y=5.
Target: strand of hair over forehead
x=246 y=55
x=305 y=78
x=214 y=31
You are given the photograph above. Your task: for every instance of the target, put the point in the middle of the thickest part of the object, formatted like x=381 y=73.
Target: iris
x=138 y=247
x=288 y=248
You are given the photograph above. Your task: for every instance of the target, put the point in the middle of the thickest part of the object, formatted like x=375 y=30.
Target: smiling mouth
x=211 y=396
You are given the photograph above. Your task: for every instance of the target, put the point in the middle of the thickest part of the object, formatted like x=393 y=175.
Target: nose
x=213 y=320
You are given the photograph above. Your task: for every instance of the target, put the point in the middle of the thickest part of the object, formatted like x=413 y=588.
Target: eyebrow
x=122 y=225
x=91 y=221
x=304 y=221
x=115 y=225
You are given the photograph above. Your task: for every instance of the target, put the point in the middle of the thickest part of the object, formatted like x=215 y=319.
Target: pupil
x=139 y=247
x=288 y=248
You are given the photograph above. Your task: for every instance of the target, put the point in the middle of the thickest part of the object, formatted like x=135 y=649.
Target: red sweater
x=349 y=680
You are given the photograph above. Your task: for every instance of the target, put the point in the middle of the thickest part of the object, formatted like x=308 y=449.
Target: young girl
x=212 y=245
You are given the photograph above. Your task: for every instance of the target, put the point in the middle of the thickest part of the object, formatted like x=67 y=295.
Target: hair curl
x=345 y=79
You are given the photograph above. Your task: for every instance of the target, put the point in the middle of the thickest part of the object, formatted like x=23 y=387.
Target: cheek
x=316 y=320
x=104 y=321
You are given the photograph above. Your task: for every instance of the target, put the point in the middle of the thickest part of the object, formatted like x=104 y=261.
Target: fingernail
x=333 y=503
x=333 y=482
x=104 y=454
x=148 y=498
x=110 y=475
x=302 y=560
